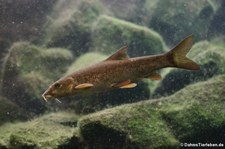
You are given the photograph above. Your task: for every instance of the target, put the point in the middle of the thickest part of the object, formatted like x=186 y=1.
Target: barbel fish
x=120 y=71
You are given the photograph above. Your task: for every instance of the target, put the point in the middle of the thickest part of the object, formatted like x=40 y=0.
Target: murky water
x=43 y=41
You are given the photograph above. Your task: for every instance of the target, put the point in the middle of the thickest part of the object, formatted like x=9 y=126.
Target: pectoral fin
x=131 y=85
x=70 y=87
x=155 y=76
x=84 y=86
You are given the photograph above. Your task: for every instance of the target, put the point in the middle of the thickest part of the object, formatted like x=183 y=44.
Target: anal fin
x=154 y=76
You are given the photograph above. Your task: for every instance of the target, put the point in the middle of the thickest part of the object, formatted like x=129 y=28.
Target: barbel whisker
x=58 y=100
x=44 y=98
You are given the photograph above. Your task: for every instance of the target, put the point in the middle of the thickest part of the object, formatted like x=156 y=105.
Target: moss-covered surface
x=134 y=11
x=216 y=27
x=211 y=59
x=182 y=18
x=27 y=72
x=49 y=131
x=73 y=29
x=218 y=41
x=125 y=127
x=198 y=114
x=109 y=34
x=85 y=60
x=29 y=58
x=194 y=114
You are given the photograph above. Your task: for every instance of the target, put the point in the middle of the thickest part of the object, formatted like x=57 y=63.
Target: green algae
x=193 y=113
x=28 y=70
x=72 y=31
x=48 y=131
x=85 y=60
x=109 y=34
x=182 y=18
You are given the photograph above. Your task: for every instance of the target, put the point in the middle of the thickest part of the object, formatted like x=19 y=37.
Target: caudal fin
x=177 y=56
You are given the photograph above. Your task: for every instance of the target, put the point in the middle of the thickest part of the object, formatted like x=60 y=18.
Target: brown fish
x=119 y=71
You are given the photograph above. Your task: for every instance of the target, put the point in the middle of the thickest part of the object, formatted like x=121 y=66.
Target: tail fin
x=177 y=56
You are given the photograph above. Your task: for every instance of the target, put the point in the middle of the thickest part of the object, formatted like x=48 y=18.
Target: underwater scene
x=112 y=74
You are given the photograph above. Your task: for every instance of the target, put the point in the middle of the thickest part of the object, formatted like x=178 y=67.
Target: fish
x=119 y=71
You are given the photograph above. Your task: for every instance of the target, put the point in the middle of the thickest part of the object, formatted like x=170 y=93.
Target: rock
x=27 y=72
x=216 y=27
x=10 y=112
x=218 y=41
x=129 y=126
x=182 y=19
x=109 y=34
x=70 y=27
x=2 y=145
x=86 y=60
x=133 y=11
x=194 y=114
x=211 y=59
x=198 y=117
x=47 y=131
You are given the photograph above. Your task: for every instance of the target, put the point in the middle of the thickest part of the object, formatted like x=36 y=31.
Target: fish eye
x=57 y=85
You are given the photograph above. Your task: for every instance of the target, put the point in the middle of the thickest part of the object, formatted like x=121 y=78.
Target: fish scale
x=120 y=71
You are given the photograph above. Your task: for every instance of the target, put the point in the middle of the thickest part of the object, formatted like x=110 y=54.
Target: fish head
x=59 y=88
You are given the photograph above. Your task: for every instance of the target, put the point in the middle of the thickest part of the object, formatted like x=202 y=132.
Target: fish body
x=120 y=71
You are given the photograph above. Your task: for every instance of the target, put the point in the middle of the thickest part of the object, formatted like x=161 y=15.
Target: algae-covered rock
x=194 y=114
x=176 y=19
x=49 y=131
x=216 y=25
x=2 y=145
x=73 y=29
x=127 y=127
x=134 y=11
x=197 y=114
x=211 y=59
x=86 y=60
x=28 y=70
x=10 y=112
x=218 y=41
x=109 y=34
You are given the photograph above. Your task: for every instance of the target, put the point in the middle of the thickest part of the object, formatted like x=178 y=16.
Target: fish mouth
x=46 y=96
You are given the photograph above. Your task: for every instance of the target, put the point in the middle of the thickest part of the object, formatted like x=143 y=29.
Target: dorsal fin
x=119 y=55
